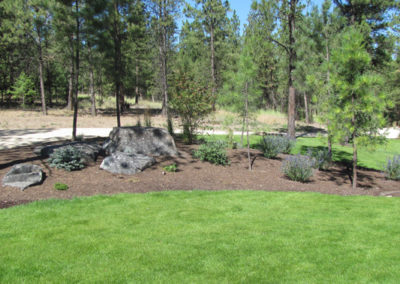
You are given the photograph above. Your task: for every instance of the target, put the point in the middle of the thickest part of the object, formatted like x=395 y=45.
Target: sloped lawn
x=202 y=236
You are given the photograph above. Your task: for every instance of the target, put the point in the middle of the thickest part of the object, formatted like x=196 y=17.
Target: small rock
x=23 y=176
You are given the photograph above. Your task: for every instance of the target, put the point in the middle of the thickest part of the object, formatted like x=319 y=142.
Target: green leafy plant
x=192 y=101
x=213 y=152
x=67 y=158
x=392 y=168
x=171 y=168
x=298 y=168
x=60 y=186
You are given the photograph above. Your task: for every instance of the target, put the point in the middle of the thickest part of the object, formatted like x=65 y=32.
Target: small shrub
x=272 y=145
x=298 y=168
x=287 y=144
x=321 y=158
x=60 y=186
x=67 y=158
x=213 y=152
x=392 y=168
x=171 y=168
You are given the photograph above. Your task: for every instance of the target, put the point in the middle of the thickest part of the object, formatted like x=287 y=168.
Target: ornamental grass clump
x=272 y=145
x=298 y=168
x=67 y=158
x=213 y=152
x=321 y=158
x=392 y=168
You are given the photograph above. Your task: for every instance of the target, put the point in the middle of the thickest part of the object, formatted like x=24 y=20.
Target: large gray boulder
x=23 y=175
x=88 y=150
x=140 y=140
x=128 y=164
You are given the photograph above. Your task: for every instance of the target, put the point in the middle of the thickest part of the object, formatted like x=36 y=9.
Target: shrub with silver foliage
x=272 y=145
x=298 y=168
x=322 y=158
x=392 y=168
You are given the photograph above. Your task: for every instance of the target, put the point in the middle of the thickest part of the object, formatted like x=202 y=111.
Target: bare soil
x=192 y=174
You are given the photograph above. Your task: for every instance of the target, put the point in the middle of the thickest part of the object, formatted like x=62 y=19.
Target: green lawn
x=202 y=237
x=367 y=157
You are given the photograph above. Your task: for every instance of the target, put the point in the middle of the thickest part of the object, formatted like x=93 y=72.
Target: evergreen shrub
x=67 y=158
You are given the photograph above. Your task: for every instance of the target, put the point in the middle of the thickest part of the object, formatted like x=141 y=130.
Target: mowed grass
x=203 y=237
x=371 y=158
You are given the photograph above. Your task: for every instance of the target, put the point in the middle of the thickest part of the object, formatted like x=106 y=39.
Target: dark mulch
x=192 y=175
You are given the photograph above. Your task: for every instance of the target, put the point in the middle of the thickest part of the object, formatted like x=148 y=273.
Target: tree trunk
x=42 y=94
x=91 y=90
x=163 y=57
x=76 y=87
x=353 y=137
x=306 y=108
x=213 y=79
x=71 y=75
x=292 y=58
x=137 y=84
x=247 y=123
x=117 y=66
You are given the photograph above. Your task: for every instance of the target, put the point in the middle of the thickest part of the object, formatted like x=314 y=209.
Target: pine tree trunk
x=354 y=161
x=292 y=58
x=137 y=84
x=306 y=108
x=353 y=136
x=163 y=55
x=92 y=93
x=117 y=66
x=71 y=75
x=42 y=93
x=213 y=79
x=247 y=124
x=76 y=87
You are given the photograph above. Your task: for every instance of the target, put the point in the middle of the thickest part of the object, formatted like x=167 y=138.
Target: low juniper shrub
x=392 y=168
x=60 y=186
x=321 y=158
x=213 y=152
x=67 y=158
x=298 y=168
x=272 y=145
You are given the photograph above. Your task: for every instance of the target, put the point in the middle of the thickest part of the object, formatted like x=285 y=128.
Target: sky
x=242 y=8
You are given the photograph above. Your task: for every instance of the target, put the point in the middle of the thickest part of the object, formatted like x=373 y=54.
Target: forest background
x=336 y=61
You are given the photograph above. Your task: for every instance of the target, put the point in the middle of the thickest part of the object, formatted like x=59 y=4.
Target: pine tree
x=357 y=106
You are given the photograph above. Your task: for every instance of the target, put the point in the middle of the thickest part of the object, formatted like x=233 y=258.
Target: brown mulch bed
x=192 y=175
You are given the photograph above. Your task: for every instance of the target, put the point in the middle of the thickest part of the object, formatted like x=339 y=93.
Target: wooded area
x=338 y=62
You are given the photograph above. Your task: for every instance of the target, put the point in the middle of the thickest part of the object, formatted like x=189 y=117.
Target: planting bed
x=192 y=174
